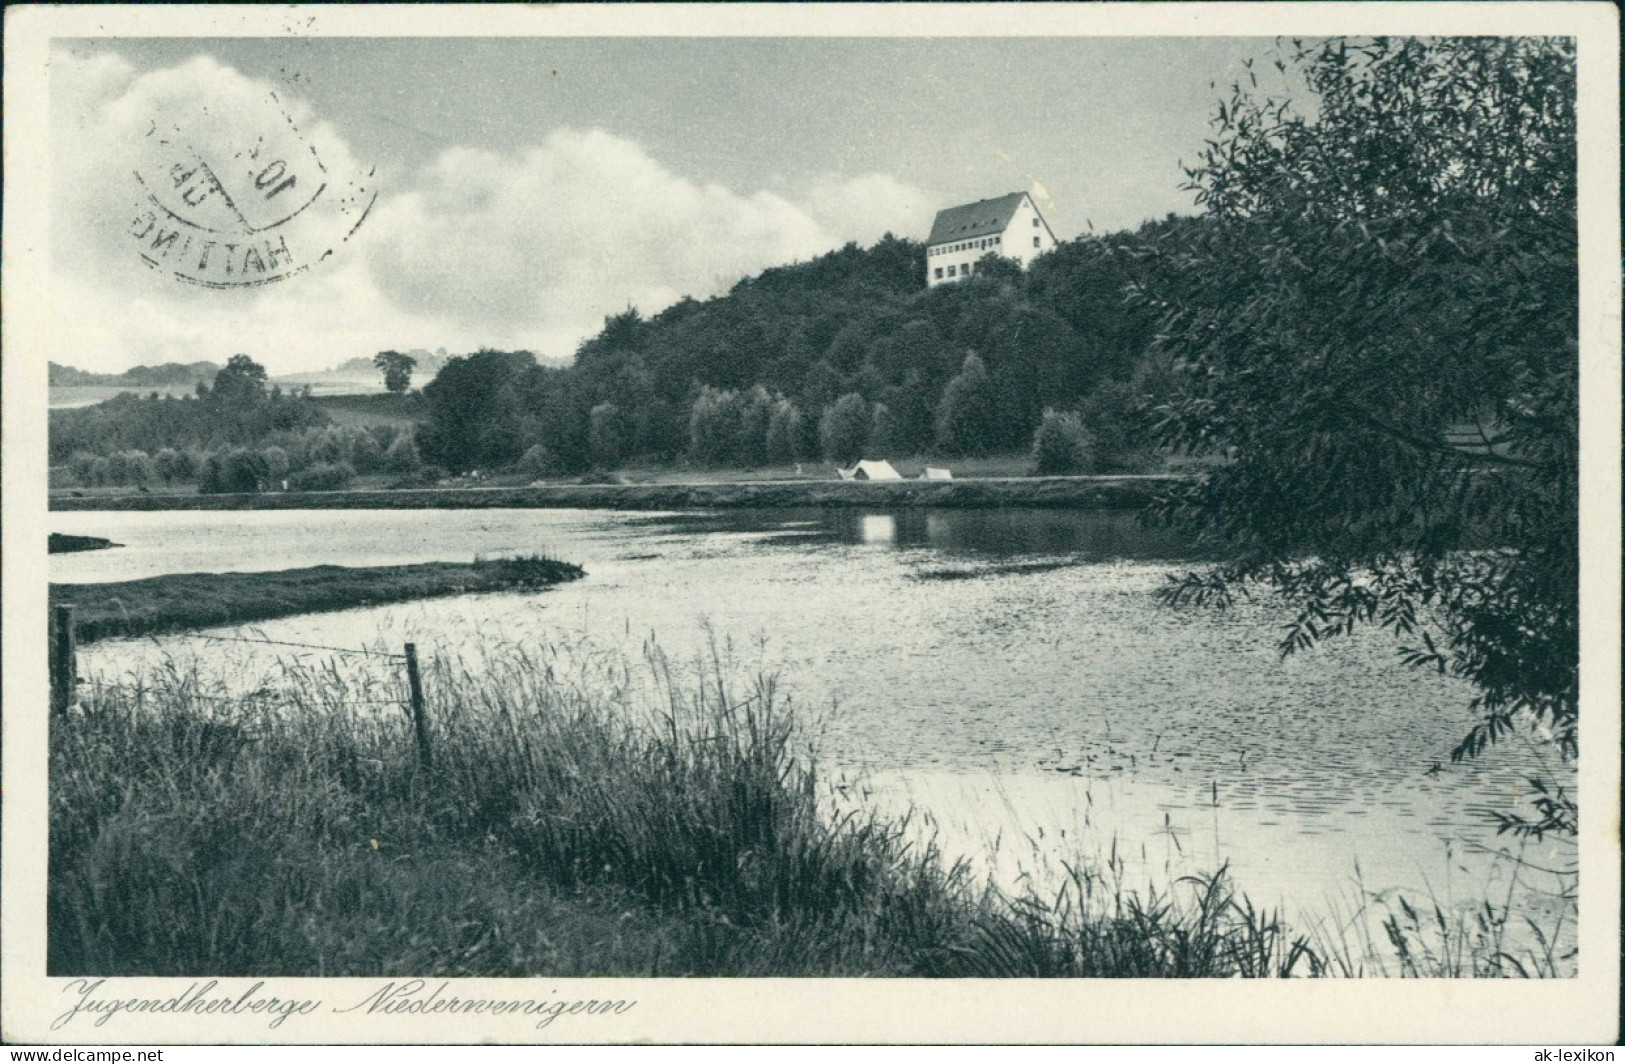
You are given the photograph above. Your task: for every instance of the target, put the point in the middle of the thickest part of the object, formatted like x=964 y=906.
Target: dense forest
x=846 y=356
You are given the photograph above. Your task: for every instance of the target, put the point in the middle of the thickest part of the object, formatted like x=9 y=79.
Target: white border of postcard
x=1578 y=1010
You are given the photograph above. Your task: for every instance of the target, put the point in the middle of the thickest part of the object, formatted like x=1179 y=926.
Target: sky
x=523 y=189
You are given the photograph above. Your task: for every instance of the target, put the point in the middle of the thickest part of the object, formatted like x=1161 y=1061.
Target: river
x=1005 y=672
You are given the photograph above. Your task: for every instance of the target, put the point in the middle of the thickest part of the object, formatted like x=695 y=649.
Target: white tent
x=933 y=473
x=871 y=471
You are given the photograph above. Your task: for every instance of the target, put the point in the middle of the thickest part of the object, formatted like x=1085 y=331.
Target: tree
x=241 y=381
x=606 y=436
x=884 y=435
x=713 y=426
x=784 y=435
x=966 y=421
x=1117 y=425
x=1376 y=330
x=276 y=463
x=402 y=455
x=755 y=411
x=843 y=431
x=397 y=370
x=472 y=410
x=994 y=267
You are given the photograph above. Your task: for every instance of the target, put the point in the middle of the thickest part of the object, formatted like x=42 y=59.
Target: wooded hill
x=847 y=354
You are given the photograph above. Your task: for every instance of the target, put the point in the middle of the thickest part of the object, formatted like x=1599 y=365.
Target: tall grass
x=582 y=815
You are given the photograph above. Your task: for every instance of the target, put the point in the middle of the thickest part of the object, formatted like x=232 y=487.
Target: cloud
x=109 y=309
x=867 y=207
x=530 y=247
x=573 y=229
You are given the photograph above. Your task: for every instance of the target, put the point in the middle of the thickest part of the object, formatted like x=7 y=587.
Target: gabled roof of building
x=971 y=220
x=876 y=470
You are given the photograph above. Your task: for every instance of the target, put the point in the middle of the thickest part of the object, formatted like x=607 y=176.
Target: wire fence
x=65 y=679
x=357 y=651
x=254 y=699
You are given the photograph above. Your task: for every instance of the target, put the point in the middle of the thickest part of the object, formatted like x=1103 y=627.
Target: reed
x=585 y=814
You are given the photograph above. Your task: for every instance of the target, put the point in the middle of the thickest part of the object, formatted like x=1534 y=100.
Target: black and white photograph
x=812 y=523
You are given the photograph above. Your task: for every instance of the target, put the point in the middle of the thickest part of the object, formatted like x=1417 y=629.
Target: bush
x=175 y=465
x=240 y=471
x=364 y=451
x=402 y=456
x=323 y=476
x=538 y=461
x=276 y=462
x=83 y=466
x=1062 y=445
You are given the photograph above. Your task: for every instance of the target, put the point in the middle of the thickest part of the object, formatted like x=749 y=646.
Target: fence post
x=64 y=664
x=420 y=721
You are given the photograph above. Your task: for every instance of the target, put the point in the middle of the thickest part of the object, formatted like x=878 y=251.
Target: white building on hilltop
x=1009 y=226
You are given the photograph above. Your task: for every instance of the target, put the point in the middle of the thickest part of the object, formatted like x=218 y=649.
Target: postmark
x=240 y=199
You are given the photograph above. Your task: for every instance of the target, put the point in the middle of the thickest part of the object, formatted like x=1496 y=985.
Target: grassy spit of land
x=1111 y=492
x=65 y=544
x=199 y=600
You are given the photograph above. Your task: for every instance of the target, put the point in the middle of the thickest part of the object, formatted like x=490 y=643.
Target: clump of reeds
x=579 y=814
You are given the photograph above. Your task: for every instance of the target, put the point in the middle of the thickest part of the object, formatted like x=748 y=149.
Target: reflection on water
x=999 y=533
x=877 y=528
x=959 y=647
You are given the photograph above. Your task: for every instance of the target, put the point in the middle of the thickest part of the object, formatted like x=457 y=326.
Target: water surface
x=1005 y=670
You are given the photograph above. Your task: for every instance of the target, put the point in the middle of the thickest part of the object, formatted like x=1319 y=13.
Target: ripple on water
x=1049 y=658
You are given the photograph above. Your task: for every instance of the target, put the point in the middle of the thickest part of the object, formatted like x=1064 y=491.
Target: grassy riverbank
x=580 y=815
x=201 y=600
x=566 y=827
x=1099 y=493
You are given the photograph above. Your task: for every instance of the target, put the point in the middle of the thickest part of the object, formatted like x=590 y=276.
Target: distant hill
x=428 y=364
x=168 y=375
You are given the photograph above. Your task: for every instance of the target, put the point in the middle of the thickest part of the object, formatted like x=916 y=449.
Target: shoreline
x=1084 y=493
x=183 y=601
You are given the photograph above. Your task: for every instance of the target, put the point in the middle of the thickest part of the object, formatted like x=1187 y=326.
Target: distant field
x=74 y=395
x=373 y=408
x=320 y=384
x=71 y=396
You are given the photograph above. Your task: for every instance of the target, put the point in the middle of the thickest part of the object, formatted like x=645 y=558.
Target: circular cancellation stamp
x=241 y=199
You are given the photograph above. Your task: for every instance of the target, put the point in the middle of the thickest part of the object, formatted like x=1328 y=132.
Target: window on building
x=1035 y=223
x=939 y=273
x=951 y=272
x=1035 y=241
